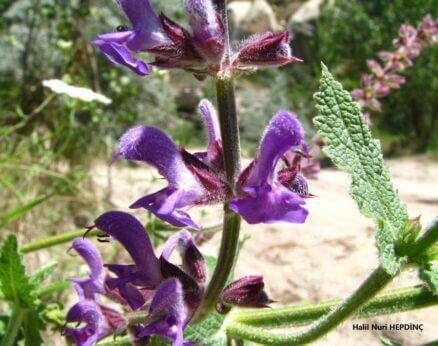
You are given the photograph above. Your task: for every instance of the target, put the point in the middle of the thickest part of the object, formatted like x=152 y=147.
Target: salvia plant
x=383 y=79
x=155 y=300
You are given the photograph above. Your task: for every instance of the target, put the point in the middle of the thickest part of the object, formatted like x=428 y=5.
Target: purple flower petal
x=193 y=261
x=270 y=204
x=147 y=27
x=283 y=132
x=132 y=235
x=96 y=328
x=119 y=54
x=89 y=287
x=168 y=313
x=209 y=117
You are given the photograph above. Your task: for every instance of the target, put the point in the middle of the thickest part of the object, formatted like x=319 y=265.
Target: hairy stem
x=69 y=236
x=231 y=148
x=14 y=325
x=55 y=240
x=378 y=279
x=389 y=302
x=373 y=284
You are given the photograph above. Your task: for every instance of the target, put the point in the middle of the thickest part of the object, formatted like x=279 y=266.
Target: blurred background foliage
x=49 y=143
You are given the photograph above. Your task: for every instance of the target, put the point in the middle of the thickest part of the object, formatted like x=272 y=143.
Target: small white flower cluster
x=84 y=94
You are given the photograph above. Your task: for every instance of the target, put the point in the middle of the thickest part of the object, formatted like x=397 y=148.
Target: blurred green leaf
x=9 y=216
x=351 y=147
x=18 y=289
x=43 y=273
x=16 y=286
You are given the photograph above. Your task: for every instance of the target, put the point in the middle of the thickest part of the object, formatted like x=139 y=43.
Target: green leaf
x=208 y=332
x=15 y=284
x=18 y=288
x=43 y=273
x=53 y=288
x=350 y=146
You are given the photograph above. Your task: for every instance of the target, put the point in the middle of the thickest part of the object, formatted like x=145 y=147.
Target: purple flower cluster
x=170 y=293
x=264 y=193
x=383 y=79
x=201 y=51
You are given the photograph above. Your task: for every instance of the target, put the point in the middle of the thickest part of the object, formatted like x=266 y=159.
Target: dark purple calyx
x=248 y=291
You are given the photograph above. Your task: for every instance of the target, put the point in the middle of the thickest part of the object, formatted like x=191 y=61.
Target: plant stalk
x=378 y=279
x=389 y=302
x=14 y=325
x=231 y=148
x=55 y=240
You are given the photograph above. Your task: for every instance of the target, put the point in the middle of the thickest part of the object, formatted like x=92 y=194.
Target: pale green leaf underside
x=350 y=146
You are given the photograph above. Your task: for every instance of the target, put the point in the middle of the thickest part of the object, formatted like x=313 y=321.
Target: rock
x=251 y=17
x=303 y=20
x=187 y=100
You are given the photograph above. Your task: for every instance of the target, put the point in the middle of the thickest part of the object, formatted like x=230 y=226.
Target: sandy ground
x=330 y=255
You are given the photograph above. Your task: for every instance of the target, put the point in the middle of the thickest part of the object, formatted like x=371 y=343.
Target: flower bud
x=207 y=28
x=247 y=291
x=266 y=50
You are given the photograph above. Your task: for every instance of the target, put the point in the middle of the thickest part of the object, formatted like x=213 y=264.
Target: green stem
x=378 y=279
x=14 y=325
x=389 y=302
x=55 y=240
x=231 y=148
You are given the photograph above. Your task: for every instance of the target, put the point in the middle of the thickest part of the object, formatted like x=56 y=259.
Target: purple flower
x=193 y=179
x=167 y=314
x=264 y=198
x=146 y=33
x=151 y=145
x=96 y=327
x=145 y=272
x=171 y=44
x=193 y=262
x=99 y=320
x=199 y=178
x=174 y=293
x=265 y=50
x=89 y=288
